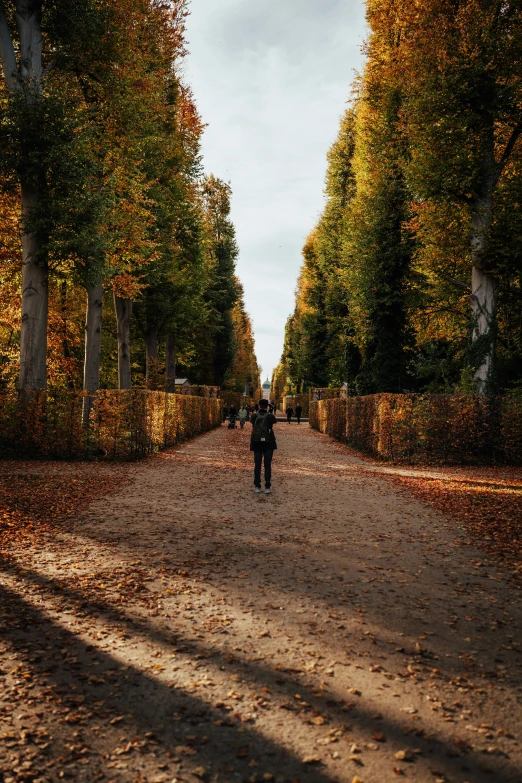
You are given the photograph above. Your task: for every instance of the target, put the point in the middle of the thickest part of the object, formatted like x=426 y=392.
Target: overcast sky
x=272 y=78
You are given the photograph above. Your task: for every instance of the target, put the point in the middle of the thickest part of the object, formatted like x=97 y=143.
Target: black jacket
x=271 y=444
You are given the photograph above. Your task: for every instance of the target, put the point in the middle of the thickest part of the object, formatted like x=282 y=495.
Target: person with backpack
x=232 y=415
x=263 y=444
x=298 y=413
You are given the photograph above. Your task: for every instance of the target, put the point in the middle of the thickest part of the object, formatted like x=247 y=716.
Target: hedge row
x=122 y=425
x=426 y=429
x=198 y=391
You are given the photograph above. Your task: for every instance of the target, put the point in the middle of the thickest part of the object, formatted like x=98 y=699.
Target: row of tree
x=104 y=202
x=412 y=278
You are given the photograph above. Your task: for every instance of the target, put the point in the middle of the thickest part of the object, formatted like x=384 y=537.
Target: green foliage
x=109 y=141
x=216 y=349
x=423 y=184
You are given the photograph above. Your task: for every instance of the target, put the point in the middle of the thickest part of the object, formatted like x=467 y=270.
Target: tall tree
x=221 y=291
x=459 y=63
x=24 y=79
x=244 y=371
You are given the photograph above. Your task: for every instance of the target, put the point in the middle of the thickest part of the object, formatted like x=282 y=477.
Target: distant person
x=263 y=444
x=298 y=413
x=289 y=413
x=256 y=407
x=225 y=413
x=232 y=415
x=243 y=416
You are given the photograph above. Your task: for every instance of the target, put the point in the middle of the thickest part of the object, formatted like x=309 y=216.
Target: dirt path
x=186 y=629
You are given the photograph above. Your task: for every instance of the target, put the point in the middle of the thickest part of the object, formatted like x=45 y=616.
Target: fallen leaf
x=185 y=750
x=312 y=760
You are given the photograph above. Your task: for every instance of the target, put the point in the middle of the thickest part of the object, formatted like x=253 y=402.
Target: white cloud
x=271 y=79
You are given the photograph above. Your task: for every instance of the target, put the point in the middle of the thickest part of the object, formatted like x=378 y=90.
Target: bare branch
x=441 y=309
x=458 y=283
x=7 y=54
x=517 y=130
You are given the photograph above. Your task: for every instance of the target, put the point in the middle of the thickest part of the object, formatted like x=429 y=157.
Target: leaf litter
x=162 y=622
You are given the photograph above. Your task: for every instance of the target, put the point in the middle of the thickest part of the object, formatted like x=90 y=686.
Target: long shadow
x=383 y=618
x=157 y=702
x=221 y=749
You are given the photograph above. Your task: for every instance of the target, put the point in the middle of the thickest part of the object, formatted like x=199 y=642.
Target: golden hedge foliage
x=426 y=429
x=123 y=425
x=198 y=391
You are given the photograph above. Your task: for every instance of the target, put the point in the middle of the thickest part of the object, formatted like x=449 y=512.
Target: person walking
x=243 y=416
x=263 y=444
x=289 y=413
x=298 y=413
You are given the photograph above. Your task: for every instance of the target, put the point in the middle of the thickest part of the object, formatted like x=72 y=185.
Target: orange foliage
x=123 y=424
x=426 y=429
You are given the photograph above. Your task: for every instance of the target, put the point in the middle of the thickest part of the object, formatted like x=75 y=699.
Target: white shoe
x=268 y=491
x=257 y=490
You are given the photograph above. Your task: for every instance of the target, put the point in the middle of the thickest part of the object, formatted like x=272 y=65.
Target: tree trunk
x=92 y=357
x=170 y=368
x=25 y=78
x=151 y=348
x=484 y=289
x=66 y=350
x=35 y=304
x=123 y=308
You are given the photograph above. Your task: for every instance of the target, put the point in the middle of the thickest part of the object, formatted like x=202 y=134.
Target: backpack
x=261 y=432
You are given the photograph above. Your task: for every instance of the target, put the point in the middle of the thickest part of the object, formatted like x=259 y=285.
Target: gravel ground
x=183 y=628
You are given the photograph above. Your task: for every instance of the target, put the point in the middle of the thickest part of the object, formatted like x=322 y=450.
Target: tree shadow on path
x=230 y=744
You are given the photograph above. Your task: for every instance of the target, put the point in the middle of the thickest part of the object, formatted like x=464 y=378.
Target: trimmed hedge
x=426 y=429
x=198 y=391
x=123 y=425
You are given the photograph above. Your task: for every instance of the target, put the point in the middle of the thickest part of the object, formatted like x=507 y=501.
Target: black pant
x=299 y=418
x=258 y=461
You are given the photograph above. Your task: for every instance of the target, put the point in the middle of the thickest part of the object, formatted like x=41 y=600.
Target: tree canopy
x=411 y=279
x=104 y=197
